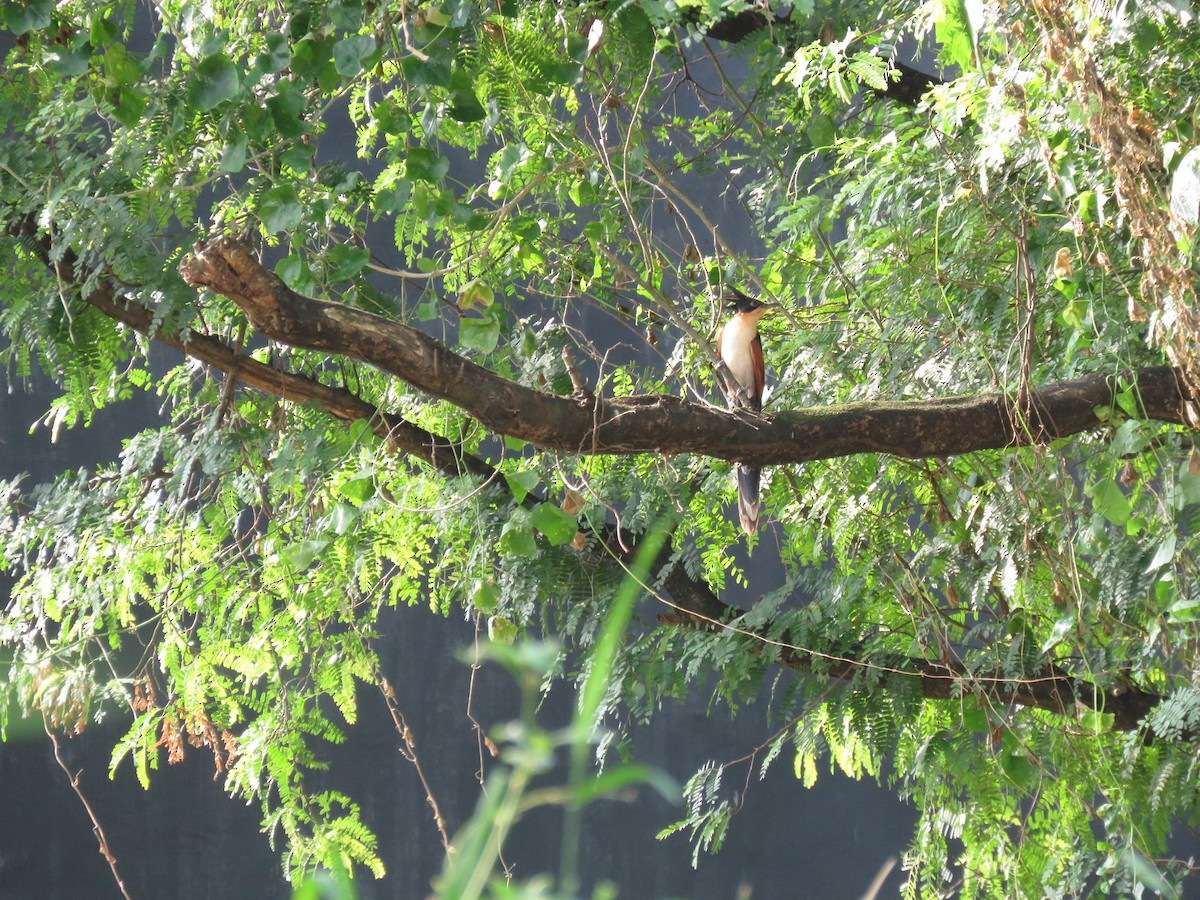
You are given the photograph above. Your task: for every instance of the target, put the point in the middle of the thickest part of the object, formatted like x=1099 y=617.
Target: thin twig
x=97 y=830
x=409 y=752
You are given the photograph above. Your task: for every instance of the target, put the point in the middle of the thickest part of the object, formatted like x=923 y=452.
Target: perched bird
x=740 y=348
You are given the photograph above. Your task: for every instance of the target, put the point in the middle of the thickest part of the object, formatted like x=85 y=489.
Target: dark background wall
x=186 y=838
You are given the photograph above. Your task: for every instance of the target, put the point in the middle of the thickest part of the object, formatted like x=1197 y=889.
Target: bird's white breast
x=735 y=350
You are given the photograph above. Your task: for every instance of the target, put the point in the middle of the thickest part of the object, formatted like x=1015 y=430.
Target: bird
x=740 y=348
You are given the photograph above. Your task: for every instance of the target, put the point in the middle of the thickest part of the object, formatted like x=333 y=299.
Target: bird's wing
x=760 y=370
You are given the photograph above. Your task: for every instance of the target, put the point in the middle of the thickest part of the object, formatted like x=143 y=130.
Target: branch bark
x=1052 y=689
x=696 y=605
x=400 y=434
x=661 y=423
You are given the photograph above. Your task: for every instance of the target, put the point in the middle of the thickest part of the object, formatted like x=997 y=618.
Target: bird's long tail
x=748 y=478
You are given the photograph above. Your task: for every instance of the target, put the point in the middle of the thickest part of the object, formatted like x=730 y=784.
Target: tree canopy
x=469 y=364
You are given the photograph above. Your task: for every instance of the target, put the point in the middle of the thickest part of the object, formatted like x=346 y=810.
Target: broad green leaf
x=465 y=106
x=215 y=80
x=358 y=489
x=344 y=261
x=522 y=482
x=426 y=165
x=821 y=130
x=516 y=537
x=1016 y=765
x=303 y=554
x=485 y=597
x=280 y=209
x=349 y=52
x=28 y=15
x=287 y=108
x=481 y=334
x=298 y=158
x=1111 y=502
x=131 y=103
x=502 y=631
x=476 y=295
x=233 y=154
x=558 y=527
x=277 y=55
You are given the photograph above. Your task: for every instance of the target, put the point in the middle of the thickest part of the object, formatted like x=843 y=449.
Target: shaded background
x=186 y=838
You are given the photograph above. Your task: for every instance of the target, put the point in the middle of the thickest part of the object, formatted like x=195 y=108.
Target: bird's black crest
x=736 y=300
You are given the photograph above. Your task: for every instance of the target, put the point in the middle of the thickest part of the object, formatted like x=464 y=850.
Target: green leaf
x=341 y=518
x=68 y=62
x=821 y=130
x=424 y=164
x=465 y=107
x=344 y=261
x=349 y=53
x=1128 y=401
x=616 y=781
x=502 y=631
x=1075 y=313
x=485 y=597
x=480 y=334
x=298 y=158
x=1129 y=439
x=215 y=80
x=28 y=15
x=975 y=717
x=516 y=537
x=520 y=483
x=954 y=32
x=233 y=154
x=1163 y=556
x=1183 y=610
x=287 y=108
x=558 y=527
x=131 y=103
x=1063 y=626
x=1189 y=485
x=1096 y=722
x=428 y=71
x=292 y=271
x=359 y=489
x=278 y=54
x=101 y=29
x=1017 y=766
x=312 y=60
x=280 y=209
x=476 y=295
x=303 y=554
x=1111 y=502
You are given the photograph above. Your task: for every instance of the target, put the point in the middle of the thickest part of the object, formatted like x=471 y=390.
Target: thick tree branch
x=1052 y=689
x=660 y=423
x=400 y=434
x=696 y=605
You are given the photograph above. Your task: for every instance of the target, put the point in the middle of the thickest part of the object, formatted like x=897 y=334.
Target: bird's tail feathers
x=748 y=479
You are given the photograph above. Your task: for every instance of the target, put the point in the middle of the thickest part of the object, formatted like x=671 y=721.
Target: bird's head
x=738 y=302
